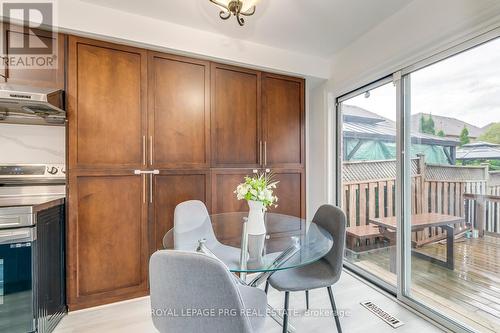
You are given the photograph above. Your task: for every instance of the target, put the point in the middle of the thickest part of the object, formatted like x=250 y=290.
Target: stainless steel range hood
x=29 y=105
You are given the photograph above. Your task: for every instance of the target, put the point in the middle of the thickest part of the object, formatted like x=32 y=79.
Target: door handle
x=151 y=173
x=144 y=150
x=146 y=172
x=151 y=150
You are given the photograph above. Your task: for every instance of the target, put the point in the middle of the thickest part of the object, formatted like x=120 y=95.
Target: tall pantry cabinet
x=148 y=130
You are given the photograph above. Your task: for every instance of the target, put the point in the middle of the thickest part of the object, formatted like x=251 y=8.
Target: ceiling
x=314 y=27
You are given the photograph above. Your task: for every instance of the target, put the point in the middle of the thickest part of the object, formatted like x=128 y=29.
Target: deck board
x=470 y=292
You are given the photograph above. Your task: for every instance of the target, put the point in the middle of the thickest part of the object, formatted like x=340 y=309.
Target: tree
x=441 y=133
x=492 y=134
x=464 y=136
x=427 y=125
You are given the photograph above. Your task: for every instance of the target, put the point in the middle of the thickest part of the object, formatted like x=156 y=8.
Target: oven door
x=16 y=280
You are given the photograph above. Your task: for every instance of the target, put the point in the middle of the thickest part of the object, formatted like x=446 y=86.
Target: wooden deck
x=469 y=293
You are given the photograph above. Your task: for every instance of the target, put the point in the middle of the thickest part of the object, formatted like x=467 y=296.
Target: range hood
x=29 y=105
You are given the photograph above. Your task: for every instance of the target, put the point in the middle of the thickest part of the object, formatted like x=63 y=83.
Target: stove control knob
x=52 y=170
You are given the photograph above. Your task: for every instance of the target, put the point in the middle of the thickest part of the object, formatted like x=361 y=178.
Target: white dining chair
x=192 y=223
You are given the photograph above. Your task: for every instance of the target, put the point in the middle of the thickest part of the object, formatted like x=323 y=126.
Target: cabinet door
x=179 y=111
x=291 y=192
x=235 y=116
x=106 y=105
x=170 y=189
x=224 y=182
x=48 y=71
x=283 y=121
x=107 y=239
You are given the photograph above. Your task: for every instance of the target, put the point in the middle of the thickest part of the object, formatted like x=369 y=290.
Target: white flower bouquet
x=258 y=188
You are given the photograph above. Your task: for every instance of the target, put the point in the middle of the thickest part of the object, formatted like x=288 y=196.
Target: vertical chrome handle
x=144 y=188
x=151 y=173
x=260 y=152
x=151 y=150
x=144 y=150
x=150 y=188
x=265 y=152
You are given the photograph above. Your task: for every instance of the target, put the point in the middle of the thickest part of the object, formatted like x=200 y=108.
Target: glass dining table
x=289 y=242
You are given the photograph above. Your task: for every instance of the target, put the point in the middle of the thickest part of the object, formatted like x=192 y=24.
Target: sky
x=465 y=86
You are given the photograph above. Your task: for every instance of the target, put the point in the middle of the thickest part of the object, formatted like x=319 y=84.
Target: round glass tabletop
x=289 y=242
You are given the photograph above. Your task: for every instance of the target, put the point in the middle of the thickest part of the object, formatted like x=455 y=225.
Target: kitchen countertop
x=36 y=203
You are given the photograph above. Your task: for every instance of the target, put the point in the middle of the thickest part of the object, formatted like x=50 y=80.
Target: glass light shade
x=247 y=4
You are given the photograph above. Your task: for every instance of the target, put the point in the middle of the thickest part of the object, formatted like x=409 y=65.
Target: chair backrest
x=191 y=223
x=192 y=292
x=333 y=219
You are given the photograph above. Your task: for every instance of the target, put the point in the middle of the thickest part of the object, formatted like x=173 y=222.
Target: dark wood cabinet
x=290 y=192
x=108 y=238
x=179 y=112
x=51 y=72
x=171 y=188
x=106 y=105
x=224 y=182
x=199 y=126
x=283 y=121
x=236 y=129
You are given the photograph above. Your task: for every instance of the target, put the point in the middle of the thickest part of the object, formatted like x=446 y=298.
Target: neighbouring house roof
x=450 y=126
x=479 y=151
x=360 y=123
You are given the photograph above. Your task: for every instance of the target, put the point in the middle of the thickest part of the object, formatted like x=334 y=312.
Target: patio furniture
x=290 y=242
x=362 y=237
x=322 y=273
x=192 y=292
x=420 y=222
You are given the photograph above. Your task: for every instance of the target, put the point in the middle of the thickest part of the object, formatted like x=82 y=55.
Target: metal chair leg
x=307 y=299
x=285 y=313
x=267 y=287
x=334 y=308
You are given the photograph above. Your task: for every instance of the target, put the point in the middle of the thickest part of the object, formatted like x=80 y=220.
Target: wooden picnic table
x=420 y=222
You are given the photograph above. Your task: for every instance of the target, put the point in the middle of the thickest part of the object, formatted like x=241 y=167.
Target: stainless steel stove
x=32 y=247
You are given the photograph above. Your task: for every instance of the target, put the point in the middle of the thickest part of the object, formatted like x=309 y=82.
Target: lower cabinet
x=290 y=192
x=171 y=188
x=107 y=238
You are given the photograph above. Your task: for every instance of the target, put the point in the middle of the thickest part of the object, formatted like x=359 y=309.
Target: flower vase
x=255 y=222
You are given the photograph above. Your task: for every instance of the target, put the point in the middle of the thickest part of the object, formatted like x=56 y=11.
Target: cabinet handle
x=150 y=150
x=260 y=152
x=151 y=173
x=144 y=150
x=144 y=188
x=265 y=152
x=150 y=188
x=254 y=171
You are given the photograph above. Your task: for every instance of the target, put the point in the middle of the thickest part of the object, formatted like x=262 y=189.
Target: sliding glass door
x=369 y=178
x=420 y=184
x=454 y=116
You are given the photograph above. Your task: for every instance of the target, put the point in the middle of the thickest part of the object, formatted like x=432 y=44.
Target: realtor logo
x=28 y=39
x=31 y=16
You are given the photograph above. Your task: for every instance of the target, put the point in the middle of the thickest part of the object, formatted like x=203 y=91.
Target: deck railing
x=369 y=192
x=483 y=213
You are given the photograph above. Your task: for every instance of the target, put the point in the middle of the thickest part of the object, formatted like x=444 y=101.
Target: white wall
x=316 y=150
x=109 y=24
x=419 y=30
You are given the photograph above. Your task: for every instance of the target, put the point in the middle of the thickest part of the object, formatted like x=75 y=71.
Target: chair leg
x=307 y=299
x=267 y=287
x=334 y=308
x=285 y=313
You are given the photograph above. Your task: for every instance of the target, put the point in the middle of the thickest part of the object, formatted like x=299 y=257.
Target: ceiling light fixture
x=237 y=8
